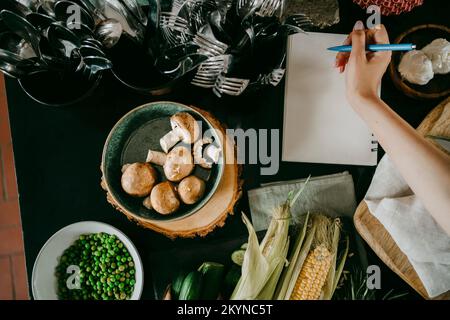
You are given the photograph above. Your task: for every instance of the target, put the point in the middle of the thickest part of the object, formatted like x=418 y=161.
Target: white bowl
x=43 y=279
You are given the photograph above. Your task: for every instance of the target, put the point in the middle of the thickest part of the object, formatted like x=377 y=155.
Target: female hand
x=364 y=70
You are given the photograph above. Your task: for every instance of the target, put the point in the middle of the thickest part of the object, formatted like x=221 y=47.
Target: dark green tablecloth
x=58 y=151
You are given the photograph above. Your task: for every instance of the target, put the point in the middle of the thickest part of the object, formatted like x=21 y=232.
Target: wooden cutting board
x=377 y=237
x=214 y=213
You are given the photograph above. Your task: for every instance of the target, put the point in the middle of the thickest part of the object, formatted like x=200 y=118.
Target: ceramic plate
x=43 y=280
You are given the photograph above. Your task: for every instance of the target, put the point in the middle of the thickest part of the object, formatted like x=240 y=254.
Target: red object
x=391 y=7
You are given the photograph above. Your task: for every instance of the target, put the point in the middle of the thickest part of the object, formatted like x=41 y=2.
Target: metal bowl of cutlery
x=211 y=44
x=55 y=57
x=215 y=44
x=223 y=44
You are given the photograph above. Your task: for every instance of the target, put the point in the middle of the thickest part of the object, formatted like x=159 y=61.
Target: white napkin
x=413 y=229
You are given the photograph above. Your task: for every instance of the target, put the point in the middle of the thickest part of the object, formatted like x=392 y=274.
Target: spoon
x=187 y=65
x=47 y=7
x=64 y=11
x=90 y=66
x=81 y=30
x=97 y=64
x=40 y=21
x=215 y=20
x=92 y=7
x=31 y=4
x=113 y=9
x=136 y=11
x=92 y=42
x=153 y=27
x=13 y=65
x=48 y=55
x=16 y=7
x=22 y=28
x=108 y=32
x=91 y=51
x=176 y=69
x=62 y=40
x=19 y=47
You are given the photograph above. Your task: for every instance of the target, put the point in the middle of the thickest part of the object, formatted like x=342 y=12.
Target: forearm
x=424 y=167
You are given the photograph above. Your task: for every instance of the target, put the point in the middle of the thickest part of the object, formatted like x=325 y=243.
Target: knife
x=444 y=142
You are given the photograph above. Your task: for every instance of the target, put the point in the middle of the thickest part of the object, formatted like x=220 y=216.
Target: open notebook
x=319 y=124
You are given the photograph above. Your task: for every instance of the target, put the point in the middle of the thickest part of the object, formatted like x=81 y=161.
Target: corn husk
x=268 y=291
x=340 y=267
x=320 y=230
x=284 y=282
x=334 y=272
x=263 y=264
x=255 y=269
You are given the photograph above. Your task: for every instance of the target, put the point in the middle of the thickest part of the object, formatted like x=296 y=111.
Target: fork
x=208 y=44
x=209 y=70
x=170 y=20
x=230 y=86
x=246 y=8
x=299 y=20
x=209 y=47
x=268 y=8
x=273 y=78
x=174 y=29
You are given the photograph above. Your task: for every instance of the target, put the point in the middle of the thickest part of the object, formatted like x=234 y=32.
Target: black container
x=59 y=89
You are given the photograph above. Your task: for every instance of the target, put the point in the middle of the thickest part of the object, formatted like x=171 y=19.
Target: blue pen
x=378 y=47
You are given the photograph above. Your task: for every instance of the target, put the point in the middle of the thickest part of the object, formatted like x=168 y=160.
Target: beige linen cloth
x=413 y=229
x=333 y=195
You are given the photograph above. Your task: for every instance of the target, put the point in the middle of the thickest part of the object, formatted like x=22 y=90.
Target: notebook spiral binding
x=374 y=142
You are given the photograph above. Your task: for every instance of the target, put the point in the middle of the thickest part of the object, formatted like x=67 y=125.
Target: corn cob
x=313 y=275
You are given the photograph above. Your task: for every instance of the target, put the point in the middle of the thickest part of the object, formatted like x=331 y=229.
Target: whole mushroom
x=179 y=164
x=191 y=189
x=138 y=179
x=184 y=128
x=164 y=198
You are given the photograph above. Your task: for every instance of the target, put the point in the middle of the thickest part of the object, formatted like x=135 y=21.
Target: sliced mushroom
x=191 y=189
x=138 y=179
x=184 y=128
x=169 y=140
x=198 y=153
x=164 y=198
x=213 y=152
x=179 y=164
x=156 y=157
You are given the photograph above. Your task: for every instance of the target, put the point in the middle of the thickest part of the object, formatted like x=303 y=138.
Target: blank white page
x=319 y=124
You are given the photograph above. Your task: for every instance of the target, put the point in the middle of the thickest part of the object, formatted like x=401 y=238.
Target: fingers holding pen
x=357 y=40
x=342 y=57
